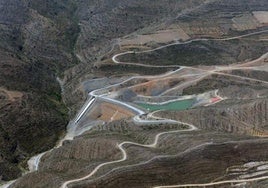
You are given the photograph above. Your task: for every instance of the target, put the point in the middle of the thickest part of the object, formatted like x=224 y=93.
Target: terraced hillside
x=164 y=164
x=125 y=69
x=211 y=52
x=39 y=41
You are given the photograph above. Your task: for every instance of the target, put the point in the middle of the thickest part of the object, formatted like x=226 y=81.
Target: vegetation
x=118 y=69
x=32 y=54
x=218 y=82
x=201 y=53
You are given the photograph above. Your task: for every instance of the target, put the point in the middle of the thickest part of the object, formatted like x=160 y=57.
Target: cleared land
x=165 y=148
x=162 y=36
x=261 y=16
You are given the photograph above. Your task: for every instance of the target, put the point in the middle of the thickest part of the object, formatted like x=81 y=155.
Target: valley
x=170 y=100
x=143 y=89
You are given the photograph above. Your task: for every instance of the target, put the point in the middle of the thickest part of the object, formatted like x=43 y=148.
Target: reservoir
x=172 y=106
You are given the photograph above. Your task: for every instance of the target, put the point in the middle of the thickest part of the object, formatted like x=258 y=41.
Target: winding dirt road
x=95 y=94
x=191 y=127
x=124 y=152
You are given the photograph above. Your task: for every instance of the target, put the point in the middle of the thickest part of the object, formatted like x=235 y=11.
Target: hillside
x=35 y=48
x=156 y=93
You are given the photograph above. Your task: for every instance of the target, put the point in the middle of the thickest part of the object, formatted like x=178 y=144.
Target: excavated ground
x=229 y=132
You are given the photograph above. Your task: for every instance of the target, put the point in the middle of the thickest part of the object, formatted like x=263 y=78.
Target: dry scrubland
x=75 y=40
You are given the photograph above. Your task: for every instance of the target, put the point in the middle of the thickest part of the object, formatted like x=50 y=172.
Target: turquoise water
x=176 y=105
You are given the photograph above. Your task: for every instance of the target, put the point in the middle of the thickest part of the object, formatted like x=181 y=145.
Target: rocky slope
x=202 y=53
x=232 y=116
x=181 y=168
x=35 y=47
x=102 y=25
x=175 y=160
x=83 y=154
x=105 y=26
x=41 y=40
x=245 y=110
